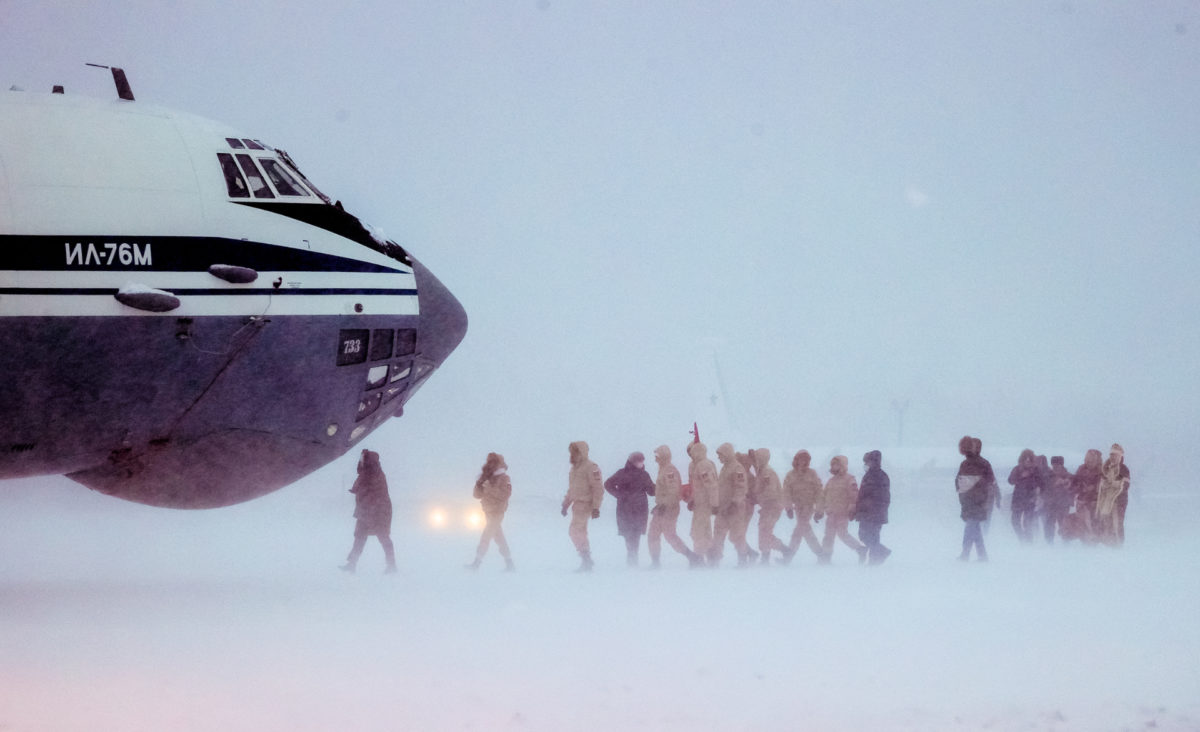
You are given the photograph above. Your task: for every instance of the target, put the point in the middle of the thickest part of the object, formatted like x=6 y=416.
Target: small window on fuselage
x=233 y=177
x=406 y=342
x=235 y=143
x=257 y=183
x=252 y=144
x=283 y=180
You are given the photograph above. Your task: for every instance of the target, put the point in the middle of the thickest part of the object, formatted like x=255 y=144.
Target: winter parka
x=875 y=492
x=668 y=486
x=841 y=490
x=585 y=486
x=702 y=474
x=372 y=504
x=493 y=493
x=632 y=487
x=770 y=491
x=974 y=476
x=1027 y=482
x=802 y=486
x=732 y=484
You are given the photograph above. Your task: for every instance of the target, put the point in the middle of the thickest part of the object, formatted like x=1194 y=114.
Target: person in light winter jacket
x=702 y=476
x=585 y=491
x=631 y=486
x=665 y=515
x=1112 y=497
x=838 y=501
x=871 y=511
x=732 y=486
x=372 y=511
x=802 y=490
x=769 y=495
x=493 y=489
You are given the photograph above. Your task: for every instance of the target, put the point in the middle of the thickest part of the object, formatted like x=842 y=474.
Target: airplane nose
x=443 y=321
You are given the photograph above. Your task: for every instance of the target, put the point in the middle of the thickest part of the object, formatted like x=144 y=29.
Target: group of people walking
x=1088 y=504
x=722 y=505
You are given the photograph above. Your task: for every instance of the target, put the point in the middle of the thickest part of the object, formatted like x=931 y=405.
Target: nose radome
x=443 y=321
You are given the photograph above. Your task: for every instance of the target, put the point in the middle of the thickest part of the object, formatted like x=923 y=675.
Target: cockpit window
x=252 y=144
x=257 y=183
x=233 y=177
x=281 y=179
x=235 y=143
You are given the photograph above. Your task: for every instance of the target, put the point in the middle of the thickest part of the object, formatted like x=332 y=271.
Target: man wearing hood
x=1112 y=498
x=373 y=511
x=871 y=511
x=493 y=488
x=631 y=486
x=702 y=475
x=769 y=494
x=663 y=519
x=1026 y=480
x=585 y=491
x=972 y=483
x=1058 y=497
x=837 y=503
x=1086 y=487
x=802 y=490
x=732 y=485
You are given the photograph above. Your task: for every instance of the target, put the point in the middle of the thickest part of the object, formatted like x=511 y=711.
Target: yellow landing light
x=437 y=518
x=474 y=519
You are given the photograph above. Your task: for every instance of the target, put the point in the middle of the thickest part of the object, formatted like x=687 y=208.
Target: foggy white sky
x=988 y=209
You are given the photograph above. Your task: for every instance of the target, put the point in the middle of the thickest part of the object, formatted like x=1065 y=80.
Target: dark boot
x=766 y=557
x=473 y=565
x=347 y=567
x=508 y=565
x=694 y=560
x=788 y=554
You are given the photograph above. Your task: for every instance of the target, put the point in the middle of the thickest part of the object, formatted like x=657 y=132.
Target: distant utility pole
x=901 y=408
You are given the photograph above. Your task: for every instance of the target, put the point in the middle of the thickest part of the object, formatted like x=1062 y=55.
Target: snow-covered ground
x=119 y=617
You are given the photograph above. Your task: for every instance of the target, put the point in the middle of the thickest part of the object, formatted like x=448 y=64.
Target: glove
x=595 y=513
x=564 y=511
x=691 y=505
x=818 y=517
x=659 y=510
x=791 y=513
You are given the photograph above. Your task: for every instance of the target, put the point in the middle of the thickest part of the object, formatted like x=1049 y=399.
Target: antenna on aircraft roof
x=123 y=89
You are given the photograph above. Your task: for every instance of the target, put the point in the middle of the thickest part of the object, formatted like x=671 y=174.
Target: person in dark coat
x=1057 y=497
x=1086 y=487
x=974 y=476
x=373 y=509
x=871 y=511
x=631 y=486
x=1026 y=480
